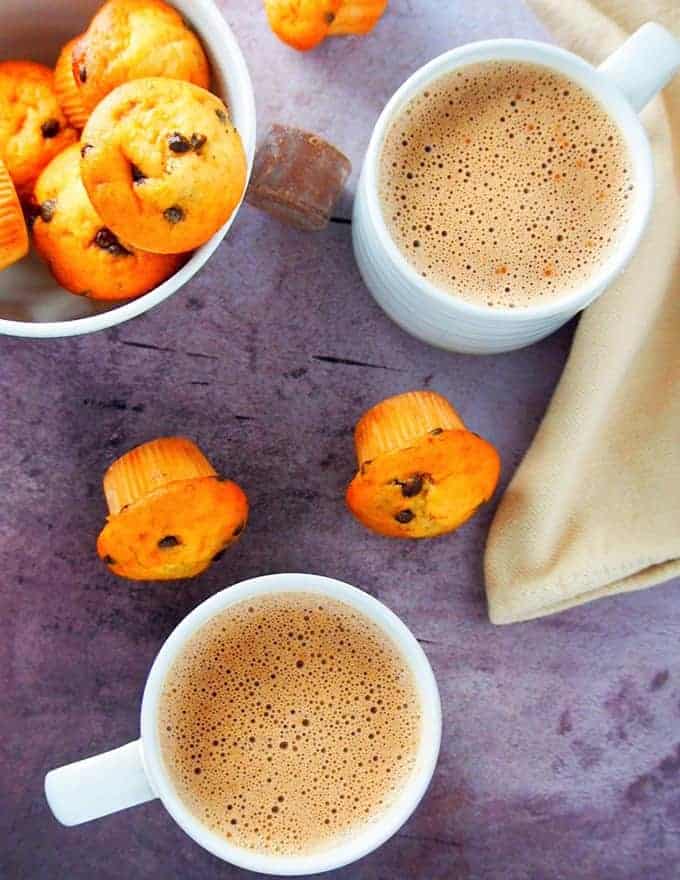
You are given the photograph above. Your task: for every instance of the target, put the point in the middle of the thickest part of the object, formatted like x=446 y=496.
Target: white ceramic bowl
x=31 y=301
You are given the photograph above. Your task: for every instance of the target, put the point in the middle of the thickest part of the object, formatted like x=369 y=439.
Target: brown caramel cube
x=297 y=177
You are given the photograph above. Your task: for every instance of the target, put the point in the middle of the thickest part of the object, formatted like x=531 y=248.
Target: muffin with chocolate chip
x=163 y=164
x=84 y=255
x=33 y=128
x=132 y=39
x=13 y=232
x=422 y=473
x=66 y=87
x=170 y=514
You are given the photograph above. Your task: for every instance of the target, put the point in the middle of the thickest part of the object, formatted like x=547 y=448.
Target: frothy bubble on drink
x=289 y=722
x=505 y=183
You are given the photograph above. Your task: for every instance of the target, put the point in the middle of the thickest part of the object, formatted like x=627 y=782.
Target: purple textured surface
x=561 y=749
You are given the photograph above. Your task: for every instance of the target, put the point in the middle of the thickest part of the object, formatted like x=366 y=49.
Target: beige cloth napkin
x=594 y=508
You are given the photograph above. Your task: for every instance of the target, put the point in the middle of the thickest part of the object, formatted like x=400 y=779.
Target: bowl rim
x=228 y=58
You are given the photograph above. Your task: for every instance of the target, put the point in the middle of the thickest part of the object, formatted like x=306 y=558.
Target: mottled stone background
x=561 y=751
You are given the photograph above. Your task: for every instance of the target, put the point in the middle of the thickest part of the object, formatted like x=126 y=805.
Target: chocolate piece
x=404 y=516
x=178 y=143
x=436 y=431
x=222 y=116
x=47 y=210
x=109 y=560
x=413 y=486
x=137 y=175
x=50 y=128
x=169 y=541
x=297 y=177
x=85 y=149
x=174 y=214
x=82 y=73
x=197 y=141
x=107 y=241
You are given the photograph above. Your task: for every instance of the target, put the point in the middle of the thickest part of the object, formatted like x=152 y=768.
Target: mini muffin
x=83 y=254
x=302 y=24
x=13 y=232
x=66 y=88
x=132 y=39
x=163 y=164
x=421 y=472
x=170 y=514
x=357 y=17
x=33 y=128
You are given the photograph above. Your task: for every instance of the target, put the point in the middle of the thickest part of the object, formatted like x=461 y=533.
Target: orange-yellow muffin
x=356 y=17
x=132 y=39
x=421 y=472
x=13 y=232
x=83 y=254
x=170 y=514
x=163 y=164
x=66 y=89
x=33 y=128
x=302 y=24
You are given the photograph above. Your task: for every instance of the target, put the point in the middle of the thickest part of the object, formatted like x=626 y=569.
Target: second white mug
x=135 y=773
x=623 y=84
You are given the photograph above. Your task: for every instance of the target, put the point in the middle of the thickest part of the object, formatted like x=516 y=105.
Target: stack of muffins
x=121 y=160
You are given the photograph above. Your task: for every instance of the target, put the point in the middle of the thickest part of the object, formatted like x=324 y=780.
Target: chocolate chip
x=109 y=560
x=173 y=214
x=404 y=516
x=197 y=141
x=329 y=17
x=137 y=175
x=47 y=210
x=218 y=556
x=31 y=214
x=107 y=241
x=178 y=143
x=50 y=128
x=436 y=431
x=222 y=116
x=82 y=73
x=169 y=541
x=412 y=486
x=85 y=149
x=239 y=528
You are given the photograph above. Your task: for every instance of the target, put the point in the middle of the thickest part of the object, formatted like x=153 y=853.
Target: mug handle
x=644 y=64
x=99 y=785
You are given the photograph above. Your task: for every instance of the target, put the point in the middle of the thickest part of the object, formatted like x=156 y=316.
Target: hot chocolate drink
x=288 y=722
x=505 y=183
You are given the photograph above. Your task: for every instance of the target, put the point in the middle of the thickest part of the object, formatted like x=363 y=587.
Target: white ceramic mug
x=31 y=301
x=135 y=773
x=623 y=85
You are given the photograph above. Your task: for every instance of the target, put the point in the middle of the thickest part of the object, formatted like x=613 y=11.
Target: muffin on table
x=170 y=514
x=13 y=232
x=66 y=88
x=84 y=255
x=421 y=472
x=33 y=128
x=132 y=39
x=163 y=164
